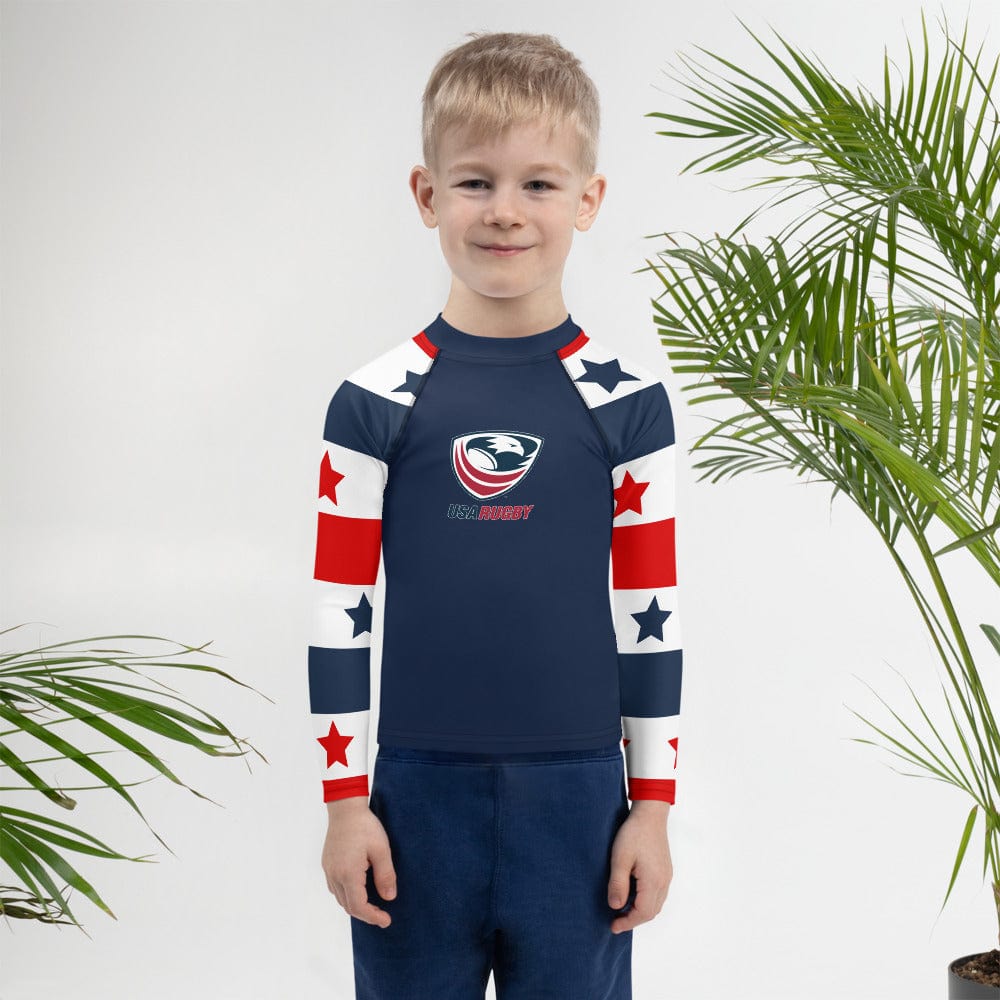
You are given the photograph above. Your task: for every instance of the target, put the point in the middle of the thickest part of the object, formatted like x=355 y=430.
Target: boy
x=502 y=461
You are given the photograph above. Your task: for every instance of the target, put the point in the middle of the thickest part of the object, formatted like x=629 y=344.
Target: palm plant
x=889 y=393
x=66 y=677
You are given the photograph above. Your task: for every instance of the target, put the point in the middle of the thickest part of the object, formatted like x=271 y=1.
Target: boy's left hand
x=641 y=849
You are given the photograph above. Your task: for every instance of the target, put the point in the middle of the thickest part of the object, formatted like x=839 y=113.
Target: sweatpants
x=502 y=864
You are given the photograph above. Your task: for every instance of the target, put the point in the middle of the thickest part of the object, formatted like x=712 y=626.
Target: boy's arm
x=352 y=477
x=644 y=589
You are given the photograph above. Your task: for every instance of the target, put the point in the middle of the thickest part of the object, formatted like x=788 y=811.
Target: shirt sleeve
x=352 y=477
x=644 y=595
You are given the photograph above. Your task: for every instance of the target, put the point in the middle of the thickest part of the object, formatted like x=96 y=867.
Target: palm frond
x=44 y=687
x=866 y=356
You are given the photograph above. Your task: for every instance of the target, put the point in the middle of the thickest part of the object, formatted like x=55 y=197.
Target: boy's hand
x=354 y=837
x=641 y=849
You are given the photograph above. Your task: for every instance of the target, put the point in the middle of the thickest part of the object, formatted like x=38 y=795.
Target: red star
x=628 y=496
x=335 y=745
x=625 y=742
x=328 y=479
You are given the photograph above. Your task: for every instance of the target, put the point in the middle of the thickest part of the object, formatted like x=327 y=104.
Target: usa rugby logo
x=489 y=463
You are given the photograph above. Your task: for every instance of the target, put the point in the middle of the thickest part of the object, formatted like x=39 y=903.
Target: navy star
x=411 y=384
x=607 y=375
x=651 y=620
x=362 y=616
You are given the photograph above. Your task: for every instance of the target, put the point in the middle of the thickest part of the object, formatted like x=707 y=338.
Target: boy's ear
x=590 y=201
x=422 y=186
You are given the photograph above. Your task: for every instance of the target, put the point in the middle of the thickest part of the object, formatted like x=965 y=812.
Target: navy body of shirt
x=520 y=492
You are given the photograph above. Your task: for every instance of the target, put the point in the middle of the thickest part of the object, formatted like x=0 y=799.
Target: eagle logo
x=488 y=463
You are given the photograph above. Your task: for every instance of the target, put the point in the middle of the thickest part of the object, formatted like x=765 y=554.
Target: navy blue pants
x=502 y=863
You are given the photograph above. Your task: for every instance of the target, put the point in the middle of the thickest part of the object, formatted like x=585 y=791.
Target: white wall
x=206 y=225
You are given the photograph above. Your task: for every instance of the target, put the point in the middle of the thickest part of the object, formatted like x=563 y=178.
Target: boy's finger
x=641 y=911
x=337 y=889
x=620 y=924
x=373 y=915
x=618 y=884
x=358 y=906
x=384 y=874
x=633 y=918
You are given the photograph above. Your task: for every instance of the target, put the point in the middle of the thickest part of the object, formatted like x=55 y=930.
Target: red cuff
x=343 y=788
x=652 y=788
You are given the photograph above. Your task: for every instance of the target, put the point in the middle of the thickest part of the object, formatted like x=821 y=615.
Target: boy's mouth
x=502 y=251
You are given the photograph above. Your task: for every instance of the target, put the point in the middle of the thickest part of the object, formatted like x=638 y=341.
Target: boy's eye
x=545 y=184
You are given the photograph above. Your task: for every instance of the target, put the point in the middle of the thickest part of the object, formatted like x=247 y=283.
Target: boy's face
x=496 y=194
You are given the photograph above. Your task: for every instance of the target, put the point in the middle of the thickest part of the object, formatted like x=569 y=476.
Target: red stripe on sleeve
x=342 y=788
x=652 y=788
x=347 y=548
x=642 y=555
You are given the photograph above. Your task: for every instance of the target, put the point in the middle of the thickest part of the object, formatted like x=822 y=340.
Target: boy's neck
x=516 y=321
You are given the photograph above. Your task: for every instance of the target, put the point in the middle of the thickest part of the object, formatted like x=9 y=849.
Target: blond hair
x=505 y=78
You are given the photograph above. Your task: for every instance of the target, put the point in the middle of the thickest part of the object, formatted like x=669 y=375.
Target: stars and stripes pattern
x=632 y=407
x=365 y=420
x=362 y=422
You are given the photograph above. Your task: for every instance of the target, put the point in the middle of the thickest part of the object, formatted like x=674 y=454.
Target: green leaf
x=992 y=635
x=964 y=843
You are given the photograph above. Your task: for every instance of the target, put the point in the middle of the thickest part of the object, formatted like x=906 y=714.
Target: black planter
x=968 y=989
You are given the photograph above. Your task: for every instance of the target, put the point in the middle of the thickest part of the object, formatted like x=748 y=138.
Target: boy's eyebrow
x=471 y=165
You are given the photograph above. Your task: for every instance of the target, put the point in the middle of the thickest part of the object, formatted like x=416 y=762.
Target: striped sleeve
x=363 y=423
x=644 y=595
x=632 y=409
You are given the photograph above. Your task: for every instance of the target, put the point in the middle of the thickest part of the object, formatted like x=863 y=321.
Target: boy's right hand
x=354 y=837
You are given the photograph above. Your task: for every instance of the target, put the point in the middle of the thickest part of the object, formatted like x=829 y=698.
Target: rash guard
x=520 y=493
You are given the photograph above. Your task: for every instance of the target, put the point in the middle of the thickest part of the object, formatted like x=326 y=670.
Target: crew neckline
x=450 y=339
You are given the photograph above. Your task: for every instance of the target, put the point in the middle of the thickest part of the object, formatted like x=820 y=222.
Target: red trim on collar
x=574 y=345
x=424 y=343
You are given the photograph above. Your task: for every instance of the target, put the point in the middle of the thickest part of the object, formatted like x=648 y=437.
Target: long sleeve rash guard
x=520 y=492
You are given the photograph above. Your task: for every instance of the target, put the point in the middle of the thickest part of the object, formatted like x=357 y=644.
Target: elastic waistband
x=386 y=751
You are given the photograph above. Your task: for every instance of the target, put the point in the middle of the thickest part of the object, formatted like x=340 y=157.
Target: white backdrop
x=206 y=225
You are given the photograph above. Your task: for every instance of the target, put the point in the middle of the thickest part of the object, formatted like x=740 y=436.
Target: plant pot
x=960 y=988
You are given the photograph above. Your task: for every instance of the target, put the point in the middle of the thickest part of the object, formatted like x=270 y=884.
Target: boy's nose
x=503 y=209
